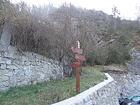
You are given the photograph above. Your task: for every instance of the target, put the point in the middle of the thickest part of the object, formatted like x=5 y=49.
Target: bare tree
x=116 y=14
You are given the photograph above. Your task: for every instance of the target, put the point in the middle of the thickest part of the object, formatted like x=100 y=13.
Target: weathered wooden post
x=76 y=64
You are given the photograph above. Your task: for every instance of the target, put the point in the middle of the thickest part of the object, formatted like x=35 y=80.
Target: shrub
x=101 y=56
x=91 y=58
x=97 y=57
x=114 y=57
x=116 y=54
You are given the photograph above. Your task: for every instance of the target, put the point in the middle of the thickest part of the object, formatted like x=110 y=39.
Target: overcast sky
x=127 y=8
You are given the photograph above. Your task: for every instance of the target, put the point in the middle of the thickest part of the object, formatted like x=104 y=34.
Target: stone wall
x=105 y=93
x=128 y=84
x=134 y=65
x=18 y=69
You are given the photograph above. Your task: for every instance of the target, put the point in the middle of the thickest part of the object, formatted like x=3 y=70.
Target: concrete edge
x=86 y=93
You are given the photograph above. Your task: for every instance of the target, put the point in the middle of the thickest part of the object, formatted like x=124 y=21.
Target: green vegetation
x=117 y=53
x=51 y=32
x=51 y=92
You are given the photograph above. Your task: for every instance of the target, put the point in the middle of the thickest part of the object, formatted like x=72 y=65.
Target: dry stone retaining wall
x=18 y=69
x=134 y=65
x=129 y=83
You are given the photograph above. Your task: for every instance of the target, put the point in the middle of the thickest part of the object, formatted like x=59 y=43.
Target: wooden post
x=78 y=73
x=78 y=79
x=76 y=65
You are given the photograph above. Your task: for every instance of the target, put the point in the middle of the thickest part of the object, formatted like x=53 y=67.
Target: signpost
x=77 y=50
x=76 y=65
x=80 y=57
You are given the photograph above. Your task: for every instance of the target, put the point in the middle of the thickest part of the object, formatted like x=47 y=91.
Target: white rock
x=2 y=66
x=13 y=67
x=4 y=78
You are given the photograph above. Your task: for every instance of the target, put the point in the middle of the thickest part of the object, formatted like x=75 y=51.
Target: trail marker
x=76 y=65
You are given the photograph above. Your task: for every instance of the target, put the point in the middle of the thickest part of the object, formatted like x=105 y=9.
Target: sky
x=128 y=8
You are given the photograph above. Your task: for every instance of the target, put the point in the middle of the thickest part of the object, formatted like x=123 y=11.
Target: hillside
x=52 y=31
